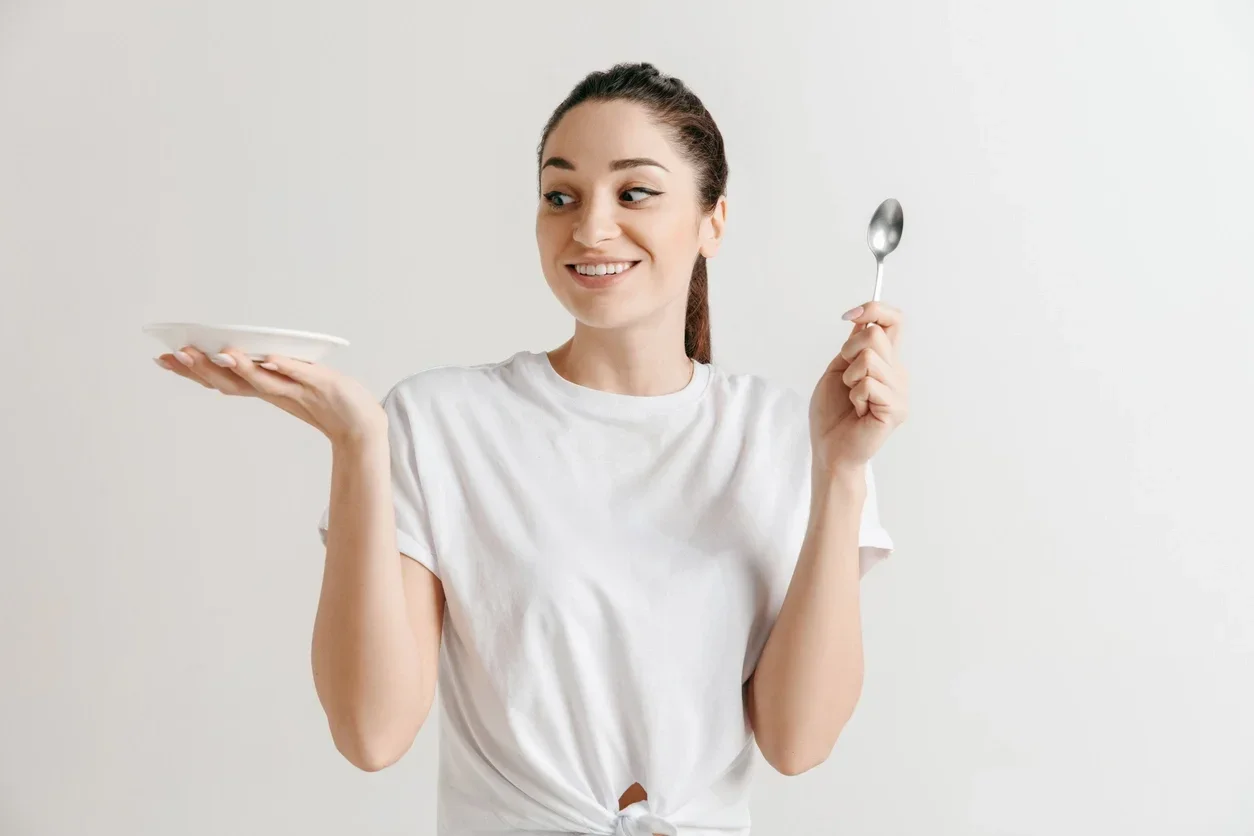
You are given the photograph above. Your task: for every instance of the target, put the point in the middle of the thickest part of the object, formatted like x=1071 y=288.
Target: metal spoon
x=882 y=236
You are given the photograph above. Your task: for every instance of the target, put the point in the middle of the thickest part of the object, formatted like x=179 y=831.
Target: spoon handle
x=879 y=283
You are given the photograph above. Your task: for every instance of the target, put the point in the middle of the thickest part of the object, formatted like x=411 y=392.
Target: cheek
x=544 y=229
x=551 y=237
x=674 y=246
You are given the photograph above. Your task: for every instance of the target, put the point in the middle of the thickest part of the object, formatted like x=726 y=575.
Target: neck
x=627 y=361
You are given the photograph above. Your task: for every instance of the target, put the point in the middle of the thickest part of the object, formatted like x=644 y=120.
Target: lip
x=599 y=282
x=601 y=259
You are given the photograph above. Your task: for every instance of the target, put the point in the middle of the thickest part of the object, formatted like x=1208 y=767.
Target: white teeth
x=602 y=269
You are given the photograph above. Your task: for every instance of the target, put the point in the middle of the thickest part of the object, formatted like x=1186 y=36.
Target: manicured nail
x=268 y=366
x=853 y=314
x=223 y=360
x=183 y=357
x=162 y=363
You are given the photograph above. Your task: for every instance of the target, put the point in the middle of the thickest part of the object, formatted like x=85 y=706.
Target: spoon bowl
x=884 y=232
x=883 y=235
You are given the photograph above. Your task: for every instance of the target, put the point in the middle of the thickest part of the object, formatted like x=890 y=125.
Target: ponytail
x=697 y=322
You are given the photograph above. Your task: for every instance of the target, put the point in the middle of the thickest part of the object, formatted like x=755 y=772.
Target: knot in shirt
x=636 y=820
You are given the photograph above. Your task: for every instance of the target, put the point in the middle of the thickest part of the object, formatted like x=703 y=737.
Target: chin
x=606 y=311
x=602 y=313
x=610 y=302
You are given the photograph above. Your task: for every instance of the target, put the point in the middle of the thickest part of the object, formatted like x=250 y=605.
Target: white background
x=1064 y=640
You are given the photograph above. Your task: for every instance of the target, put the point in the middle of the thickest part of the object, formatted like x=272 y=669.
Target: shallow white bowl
x=254 y=341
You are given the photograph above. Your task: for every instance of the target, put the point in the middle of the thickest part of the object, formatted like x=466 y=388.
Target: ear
x=712 y=228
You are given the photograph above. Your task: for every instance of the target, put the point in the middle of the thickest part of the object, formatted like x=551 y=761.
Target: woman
x=634 y=562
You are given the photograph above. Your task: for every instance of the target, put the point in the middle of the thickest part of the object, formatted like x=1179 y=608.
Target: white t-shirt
x=612 y=566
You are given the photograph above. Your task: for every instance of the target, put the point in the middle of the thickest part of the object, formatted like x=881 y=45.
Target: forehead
x=593 y=134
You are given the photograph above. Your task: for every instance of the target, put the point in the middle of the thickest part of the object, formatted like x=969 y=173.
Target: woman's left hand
x=863 y=396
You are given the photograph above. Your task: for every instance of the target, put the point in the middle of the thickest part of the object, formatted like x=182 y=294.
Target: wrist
x=836 y=501
x=846 y=482
x=360 y=440
x=840 y=478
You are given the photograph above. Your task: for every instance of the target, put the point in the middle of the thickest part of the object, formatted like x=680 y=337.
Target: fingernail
x=852 y=314
x=183 y=357
x=162 y=363
x=270 y=367
x=223 y=360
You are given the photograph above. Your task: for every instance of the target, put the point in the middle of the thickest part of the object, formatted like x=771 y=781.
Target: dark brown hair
x=693 y=130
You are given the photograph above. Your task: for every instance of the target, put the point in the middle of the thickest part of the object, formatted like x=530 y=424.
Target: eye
x=558 y=199
x=639 y=190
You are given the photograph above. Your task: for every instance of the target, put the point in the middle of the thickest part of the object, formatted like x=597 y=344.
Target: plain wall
x=1064 y=639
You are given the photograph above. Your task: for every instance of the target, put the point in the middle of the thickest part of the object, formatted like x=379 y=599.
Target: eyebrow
x=616 y=165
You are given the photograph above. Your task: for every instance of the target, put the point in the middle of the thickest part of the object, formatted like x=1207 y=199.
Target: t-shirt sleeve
x=874 y=542
x=786 y=433
x=410 y=498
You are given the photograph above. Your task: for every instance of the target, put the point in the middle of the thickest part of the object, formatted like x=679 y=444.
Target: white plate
x=253 y=341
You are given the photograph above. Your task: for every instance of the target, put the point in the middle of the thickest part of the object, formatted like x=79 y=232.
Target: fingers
x=876 y=339
x=266 y=382
x=217 y=371
x=886 y=317
x=234 y=373
x=870 y=355
x=868 y=364
x=838 y=365
x=861 y=343
x=297 y=370
x=171 y=363
x=870 y=395
x=193 y=364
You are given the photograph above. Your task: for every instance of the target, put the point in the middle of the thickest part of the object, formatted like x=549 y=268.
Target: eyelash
x=549 y=197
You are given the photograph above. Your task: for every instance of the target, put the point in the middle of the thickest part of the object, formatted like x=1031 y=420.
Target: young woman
x=625 y=563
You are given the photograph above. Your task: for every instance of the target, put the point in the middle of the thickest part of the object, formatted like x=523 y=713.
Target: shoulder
x=452 y=384
x=758 y=399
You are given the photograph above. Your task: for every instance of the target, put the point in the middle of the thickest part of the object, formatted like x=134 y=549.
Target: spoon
x=882 y=236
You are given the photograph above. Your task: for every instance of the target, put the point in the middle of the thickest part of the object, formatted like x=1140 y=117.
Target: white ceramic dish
x=254 y=341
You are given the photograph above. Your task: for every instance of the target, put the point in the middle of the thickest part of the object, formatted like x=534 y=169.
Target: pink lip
x=598 y=282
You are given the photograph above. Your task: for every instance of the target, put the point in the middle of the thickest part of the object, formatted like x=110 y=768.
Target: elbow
x=371 y=753
x=374 y=745
x=369 y=761
x=792 y=768
x=792 y=761
x=792 y=747
x=372 y=737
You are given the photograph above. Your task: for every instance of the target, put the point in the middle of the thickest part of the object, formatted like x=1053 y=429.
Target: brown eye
x=558 y=199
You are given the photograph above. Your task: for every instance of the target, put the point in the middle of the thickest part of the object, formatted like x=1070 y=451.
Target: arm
x=377 y=632
x=809 y=676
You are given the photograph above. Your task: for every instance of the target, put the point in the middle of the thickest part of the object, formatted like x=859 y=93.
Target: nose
x=597 y=222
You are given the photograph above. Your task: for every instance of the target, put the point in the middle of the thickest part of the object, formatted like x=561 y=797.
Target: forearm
x=364 y=651
x=809 y=675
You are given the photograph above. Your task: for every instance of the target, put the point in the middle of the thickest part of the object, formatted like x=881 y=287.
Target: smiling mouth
x=611 y=269
x=600 y=275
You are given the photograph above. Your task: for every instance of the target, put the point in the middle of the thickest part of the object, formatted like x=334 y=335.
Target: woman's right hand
x=336 y=405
